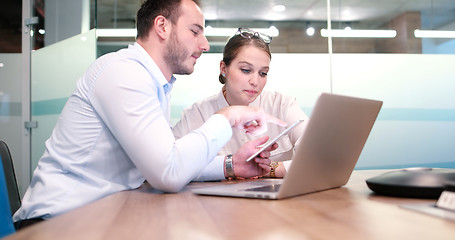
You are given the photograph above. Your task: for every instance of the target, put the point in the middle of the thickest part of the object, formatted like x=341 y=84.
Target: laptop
x=325 y=156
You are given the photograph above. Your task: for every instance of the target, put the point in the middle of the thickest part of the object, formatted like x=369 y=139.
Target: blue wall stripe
x=450 y=165
x=55 y=106
x=48 y=107
x=12 y=109
x=410 y=114
x=415 y=114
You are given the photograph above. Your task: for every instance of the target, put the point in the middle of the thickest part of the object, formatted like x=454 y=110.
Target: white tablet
x=269 y=143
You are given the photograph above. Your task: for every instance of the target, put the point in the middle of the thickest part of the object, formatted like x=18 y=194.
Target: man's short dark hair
x=150 y=9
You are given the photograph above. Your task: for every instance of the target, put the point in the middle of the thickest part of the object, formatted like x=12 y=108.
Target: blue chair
x=6 y=221
x=10 y=176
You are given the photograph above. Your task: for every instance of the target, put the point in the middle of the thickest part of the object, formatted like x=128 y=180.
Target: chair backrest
x=10 y=176
x=6 y=221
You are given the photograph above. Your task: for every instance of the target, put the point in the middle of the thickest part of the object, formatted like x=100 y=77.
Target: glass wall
x=410 y=20
x=303 y=24
x=114 y=14
x=56 y=68
x=11 y=126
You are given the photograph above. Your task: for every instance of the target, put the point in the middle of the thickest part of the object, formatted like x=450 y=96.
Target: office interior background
x=397 y=51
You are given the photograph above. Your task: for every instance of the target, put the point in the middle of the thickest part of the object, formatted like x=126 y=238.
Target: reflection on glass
x=10 y=26
x=300 y=24
x=38 y=28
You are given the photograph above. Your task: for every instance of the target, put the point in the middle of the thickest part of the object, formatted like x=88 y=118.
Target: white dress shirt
x=278 y=105
x=115 y=132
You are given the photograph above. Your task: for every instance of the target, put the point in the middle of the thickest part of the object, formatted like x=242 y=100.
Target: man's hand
x=252 y=120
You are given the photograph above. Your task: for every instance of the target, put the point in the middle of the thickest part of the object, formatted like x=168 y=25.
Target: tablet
x=269 y=143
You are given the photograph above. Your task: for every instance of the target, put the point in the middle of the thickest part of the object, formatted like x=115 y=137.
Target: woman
x=243 y=71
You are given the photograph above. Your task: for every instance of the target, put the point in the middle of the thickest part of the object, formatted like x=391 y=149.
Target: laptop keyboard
x=268 y=188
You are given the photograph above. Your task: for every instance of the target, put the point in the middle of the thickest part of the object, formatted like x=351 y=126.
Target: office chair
x=10 y=176
x=6 y=221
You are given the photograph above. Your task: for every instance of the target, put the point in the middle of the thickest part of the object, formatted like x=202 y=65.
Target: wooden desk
x=350 y=212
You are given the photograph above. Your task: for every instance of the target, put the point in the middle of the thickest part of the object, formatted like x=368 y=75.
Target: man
x=115 y=132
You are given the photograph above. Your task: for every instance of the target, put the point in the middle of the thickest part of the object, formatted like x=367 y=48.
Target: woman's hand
x=260 y=166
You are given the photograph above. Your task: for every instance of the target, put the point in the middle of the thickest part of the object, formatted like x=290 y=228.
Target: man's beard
x=176 y=55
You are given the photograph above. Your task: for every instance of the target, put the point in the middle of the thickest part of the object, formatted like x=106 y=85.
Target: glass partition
x=357 y=26
x=415 y=26
x=11 y=71
x=416 y=125
x=55 y=70
x=114 y=14
x=11 y=126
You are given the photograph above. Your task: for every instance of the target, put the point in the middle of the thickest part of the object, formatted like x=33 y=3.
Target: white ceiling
x=366 y=13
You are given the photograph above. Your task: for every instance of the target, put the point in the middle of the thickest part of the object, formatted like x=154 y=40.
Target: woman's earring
x=223 y=74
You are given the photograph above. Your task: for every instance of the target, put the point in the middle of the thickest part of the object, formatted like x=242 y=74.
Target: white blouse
x=281 y=106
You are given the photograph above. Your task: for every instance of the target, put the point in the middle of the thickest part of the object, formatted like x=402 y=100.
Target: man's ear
x=162 y=27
